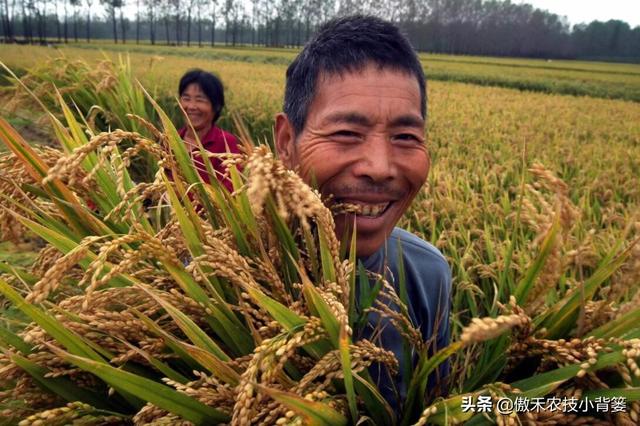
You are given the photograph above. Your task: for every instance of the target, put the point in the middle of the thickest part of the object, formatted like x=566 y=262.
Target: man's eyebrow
x=408 y=120
x=348 y=118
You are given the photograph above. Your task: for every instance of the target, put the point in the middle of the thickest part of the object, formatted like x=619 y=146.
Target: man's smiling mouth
x=360 y=208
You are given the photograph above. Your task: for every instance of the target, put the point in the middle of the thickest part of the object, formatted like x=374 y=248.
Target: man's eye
x=345 y=134
x=407 y=137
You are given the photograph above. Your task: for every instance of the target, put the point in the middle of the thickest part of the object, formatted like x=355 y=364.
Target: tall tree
x=137 y=21
x=58 y=23
x=124 y=24
x=8 y=13
x=151 y=16
x=111 y=7
x=89 y=4
x=288 y=10
x=190 y=6
x=165 y=12
x=66 y=20
x=214 y=3
x=266 y=14
x=25 y=21
x=231 y=14
x=39 y=10
x=178 y=17
x=235 y=19
x=484 y=27
x=76 y=12
x=228 y=6
x=199 y=4
x=254 y=21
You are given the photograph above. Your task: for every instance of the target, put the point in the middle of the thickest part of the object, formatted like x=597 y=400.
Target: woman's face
x=198 y=107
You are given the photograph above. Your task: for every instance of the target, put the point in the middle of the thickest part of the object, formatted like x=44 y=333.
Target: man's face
x=362 y=144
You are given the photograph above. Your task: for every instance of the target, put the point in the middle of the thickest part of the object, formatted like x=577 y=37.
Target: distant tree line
x=477 y=27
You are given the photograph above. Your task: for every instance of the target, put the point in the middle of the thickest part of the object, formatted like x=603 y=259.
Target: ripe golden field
x=528 y=189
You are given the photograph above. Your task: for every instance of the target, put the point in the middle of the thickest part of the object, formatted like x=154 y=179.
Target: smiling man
x=354 y=126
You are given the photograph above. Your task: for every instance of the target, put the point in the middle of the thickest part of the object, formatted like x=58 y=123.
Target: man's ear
x=285 y=140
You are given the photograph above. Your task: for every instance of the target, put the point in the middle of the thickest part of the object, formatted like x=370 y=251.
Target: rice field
x=533 y=197
x=611 y=81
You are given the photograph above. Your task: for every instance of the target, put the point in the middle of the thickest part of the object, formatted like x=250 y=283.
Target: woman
x=202 y=98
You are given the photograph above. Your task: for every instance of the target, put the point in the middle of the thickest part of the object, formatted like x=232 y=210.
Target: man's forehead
x=358 y=70
x=336 y=89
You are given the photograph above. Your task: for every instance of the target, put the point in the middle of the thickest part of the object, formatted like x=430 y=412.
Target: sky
x=578 y=11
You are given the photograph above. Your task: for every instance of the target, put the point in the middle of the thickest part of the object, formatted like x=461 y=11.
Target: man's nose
x=376 y=160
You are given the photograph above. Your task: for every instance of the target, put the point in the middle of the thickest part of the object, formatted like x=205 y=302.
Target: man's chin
x=367 y=243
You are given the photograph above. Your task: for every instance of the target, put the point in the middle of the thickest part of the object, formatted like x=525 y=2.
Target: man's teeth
x=371 y=210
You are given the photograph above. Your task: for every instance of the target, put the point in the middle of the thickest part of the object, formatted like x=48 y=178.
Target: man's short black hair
x=210 y=85
x=347 y=45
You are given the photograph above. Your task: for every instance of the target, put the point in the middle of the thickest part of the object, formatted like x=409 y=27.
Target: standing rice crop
x=174 y=301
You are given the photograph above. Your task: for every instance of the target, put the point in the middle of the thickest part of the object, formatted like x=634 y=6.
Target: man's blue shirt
x=428 y=286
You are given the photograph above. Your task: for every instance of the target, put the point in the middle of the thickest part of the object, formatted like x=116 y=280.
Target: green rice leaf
x=313 y=413
x=377 y=407
x=326 y=258
x=75 y=138
x=230 y=213
x=223 y=321
x=289 y=320
x=345 y=359
x=15 y=341
x=148 y=390
x=192 y=356
x=619 y=326
x=246 y=215
x=317 y=304
x=353 y=311
x=630 y=394
x=414 y=403
x=542 y=390
x=561 y=318
x=159 y=365
x=449 y=410
x=74 y=343
x=65 y=200
x=65 y=245
x=366 y=295
x=172 y=342
x=190 y=328
x=565 y=373
x=219 y=368
x=288 y=247
x=285 y=316
x=18 y=272
x=61 y=386
x=526 y=284
x=187 y=218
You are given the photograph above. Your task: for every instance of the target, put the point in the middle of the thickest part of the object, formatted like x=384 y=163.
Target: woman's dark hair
x=211 y=86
